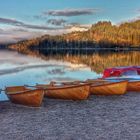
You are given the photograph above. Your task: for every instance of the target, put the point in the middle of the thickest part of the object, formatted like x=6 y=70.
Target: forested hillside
x=101 y=34
x=125 y=34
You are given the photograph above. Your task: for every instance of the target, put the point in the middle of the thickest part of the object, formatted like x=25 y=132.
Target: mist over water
x=17 y=69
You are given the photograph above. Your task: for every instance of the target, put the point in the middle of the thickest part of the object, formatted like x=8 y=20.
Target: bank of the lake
x=99 y=117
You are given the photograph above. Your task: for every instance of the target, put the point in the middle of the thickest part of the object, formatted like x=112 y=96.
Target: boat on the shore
x=67 y=92
x=133 y=86
x=122 y=71
x=133 y=82
x=25 y=96
x=109 y=88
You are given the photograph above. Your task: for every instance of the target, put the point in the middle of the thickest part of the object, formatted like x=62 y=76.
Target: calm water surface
x=17 y=69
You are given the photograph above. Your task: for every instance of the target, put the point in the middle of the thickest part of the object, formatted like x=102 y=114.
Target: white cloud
x=13 y=35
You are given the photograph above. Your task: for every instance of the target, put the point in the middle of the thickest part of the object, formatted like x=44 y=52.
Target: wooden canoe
x=112 y=88
x=25 y=96
x=133 y=86
x=67 y=92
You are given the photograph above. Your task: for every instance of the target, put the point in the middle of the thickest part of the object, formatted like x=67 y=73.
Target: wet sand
x=98 y=118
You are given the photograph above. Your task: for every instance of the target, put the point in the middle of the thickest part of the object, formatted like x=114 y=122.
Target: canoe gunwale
x=117 y=88
x=73 y=92
x=106 y=84
x=29 y=97
x=62 y=86
x=134 y=81
x=21 y=92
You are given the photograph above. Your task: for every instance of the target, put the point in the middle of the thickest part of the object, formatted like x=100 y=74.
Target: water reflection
x=101 y=60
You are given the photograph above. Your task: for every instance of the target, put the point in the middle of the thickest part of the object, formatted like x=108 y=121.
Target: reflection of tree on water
x=99 y=61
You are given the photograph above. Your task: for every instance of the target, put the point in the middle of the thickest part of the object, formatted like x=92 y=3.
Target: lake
x=18 y=69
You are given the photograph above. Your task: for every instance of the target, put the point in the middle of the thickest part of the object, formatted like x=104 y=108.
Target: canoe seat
x=100 y=83
x=16 y=89
x=71 y=83
x=97 y=82
x=43 y=86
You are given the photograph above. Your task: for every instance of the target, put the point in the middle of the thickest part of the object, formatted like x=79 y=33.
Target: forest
x=101 y=35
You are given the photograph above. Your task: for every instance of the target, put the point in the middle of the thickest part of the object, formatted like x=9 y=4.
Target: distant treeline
x=100 y=35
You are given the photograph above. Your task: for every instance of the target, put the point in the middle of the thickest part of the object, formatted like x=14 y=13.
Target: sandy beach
x=98 y=118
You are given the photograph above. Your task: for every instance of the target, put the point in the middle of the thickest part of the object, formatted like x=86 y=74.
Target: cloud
x=75 y=24
x=10 y=21
x=57 y=22
x=21 y=31
x=81 y=29
x=71 y=12
x=40 y=17
x=138 y=10
x=39 y=27
x=1 y=29
x=78 y=26
x=17 y=34
x=25 y=25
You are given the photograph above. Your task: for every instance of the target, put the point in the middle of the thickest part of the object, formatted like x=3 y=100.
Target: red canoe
x=119 y=71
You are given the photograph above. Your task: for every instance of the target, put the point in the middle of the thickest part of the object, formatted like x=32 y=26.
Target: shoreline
x=99 y=117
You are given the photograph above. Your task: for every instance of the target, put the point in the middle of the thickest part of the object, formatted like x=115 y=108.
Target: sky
x=25 y=19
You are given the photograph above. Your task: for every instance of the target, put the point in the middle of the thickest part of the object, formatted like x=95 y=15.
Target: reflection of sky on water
x=29 y=70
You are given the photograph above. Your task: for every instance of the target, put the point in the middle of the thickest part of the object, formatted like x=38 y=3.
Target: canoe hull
x=73 y=92
x=134 y=86
x=32 y=98
x=118 y=88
